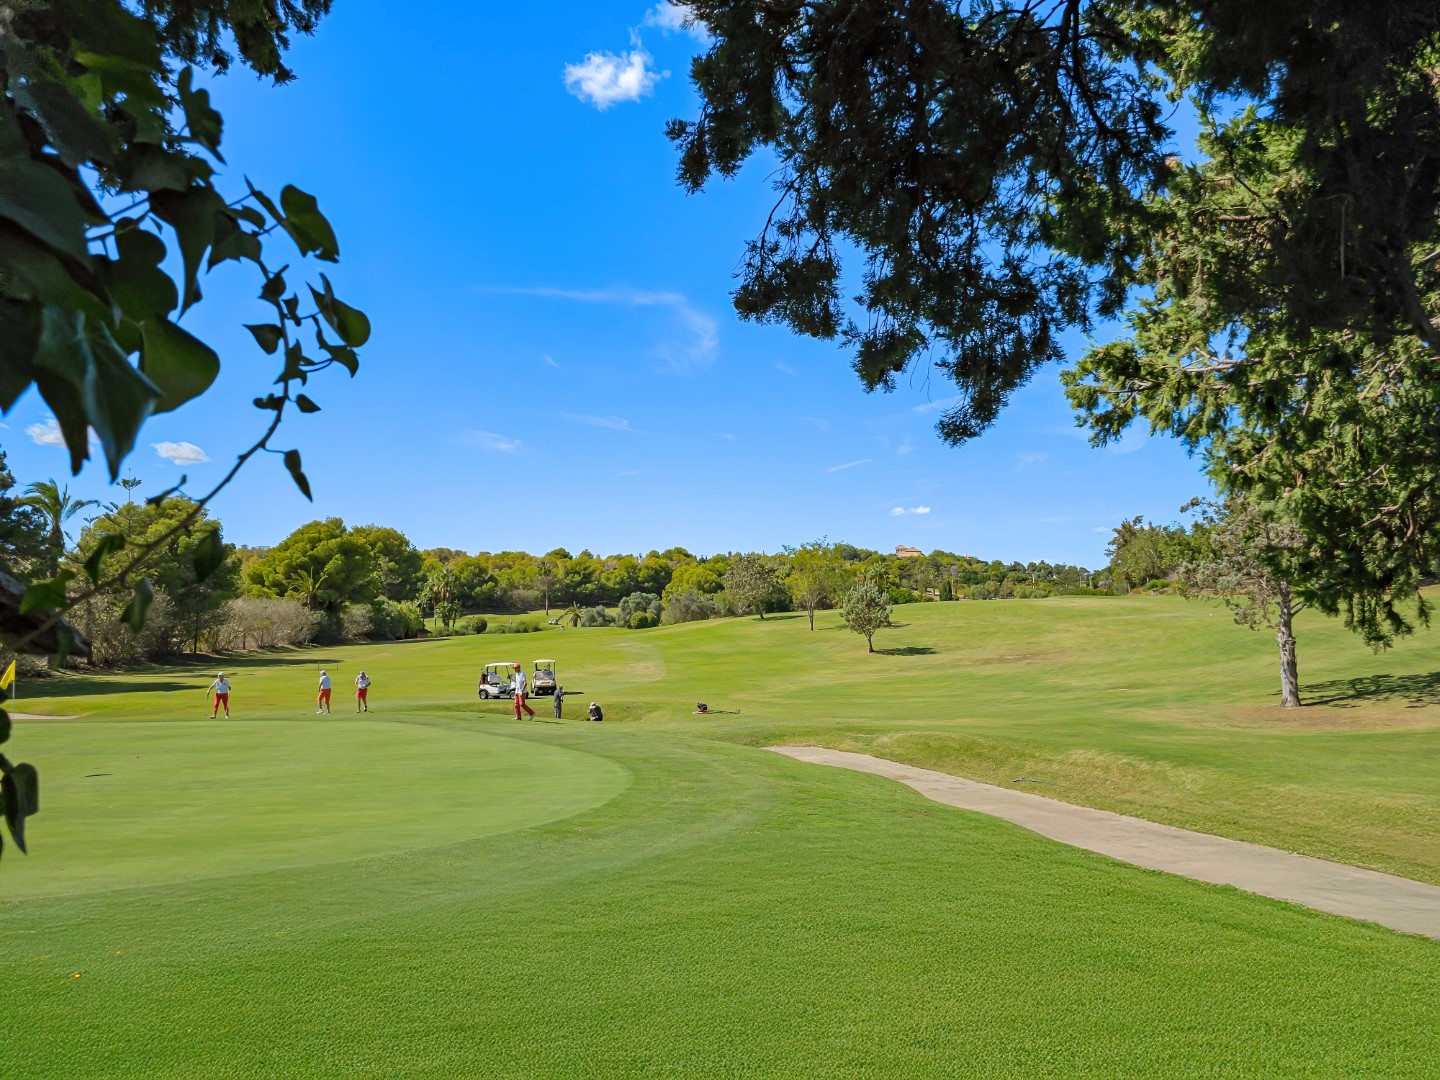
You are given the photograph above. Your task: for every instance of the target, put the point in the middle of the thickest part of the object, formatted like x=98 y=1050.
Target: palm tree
x=56 y=505
x=307 y=583
x=573 y=613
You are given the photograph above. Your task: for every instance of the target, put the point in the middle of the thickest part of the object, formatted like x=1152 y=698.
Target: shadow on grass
x=908 y=650
x=1419 y=690
x=95 y=686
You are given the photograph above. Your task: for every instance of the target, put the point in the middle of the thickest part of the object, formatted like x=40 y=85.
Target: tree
x=574 y=613
x=816 y=576
x=751 y=584
x=398 y=564
x=1245 y=542
x=1003 y=170
x=195 y=570
x=320 y=564
x=865 y=609
x=24 y=536
x=57 y=507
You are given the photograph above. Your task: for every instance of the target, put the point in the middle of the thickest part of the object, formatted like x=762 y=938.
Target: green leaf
x=267 y=335
x=36 y=197
x=107 y=545
x=205 y=123
x=308 y=226
x=72 y=128
x=274 y=286
x=209 y=554
x=17 y=348
x=305 y=405
x=136 y=282
x=139 y=606
x=181 y=365
x=20 y=792
x=192 y=215
x=47 y=595
x=342 y=355
x=118 y=399
x=350 y=323
x=104 y=391
x=292 y=462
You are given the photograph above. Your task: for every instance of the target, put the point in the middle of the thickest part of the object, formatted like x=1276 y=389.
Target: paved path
x=1396 y=902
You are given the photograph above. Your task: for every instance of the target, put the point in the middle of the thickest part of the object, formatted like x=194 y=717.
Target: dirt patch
x=40 y=716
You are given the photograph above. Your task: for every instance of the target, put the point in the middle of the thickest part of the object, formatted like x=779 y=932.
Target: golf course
x=437 y=889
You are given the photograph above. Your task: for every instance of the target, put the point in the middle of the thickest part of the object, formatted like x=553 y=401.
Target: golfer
x=595 y=712
x=559 y=699
x=221 y=689
x=362 y=692
x=520 y=694
x=322 y=699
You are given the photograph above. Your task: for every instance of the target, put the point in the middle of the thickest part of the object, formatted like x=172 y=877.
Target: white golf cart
x=543 y=681
x=497 y=680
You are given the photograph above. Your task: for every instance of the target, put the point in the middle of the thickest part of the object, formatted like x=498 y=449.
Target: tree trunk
x=1285 y=638
x=870 y=642
x=547 y=601
x=810 y=610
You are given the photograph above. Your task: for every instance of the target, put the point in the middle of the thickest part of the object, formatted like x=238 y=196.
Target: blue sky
x=555 y=360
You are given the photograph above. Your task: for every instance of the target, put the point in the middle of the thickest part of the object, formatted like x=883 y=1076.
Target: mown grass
x=435 y=890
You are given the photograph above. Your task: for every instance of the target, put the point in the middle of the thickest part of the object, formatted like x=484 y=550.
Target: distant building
x=903 y=552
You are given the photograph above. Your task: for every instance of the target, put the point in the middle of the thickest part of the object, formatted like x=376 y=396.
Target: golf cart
x=496 y=681
x=543 y=681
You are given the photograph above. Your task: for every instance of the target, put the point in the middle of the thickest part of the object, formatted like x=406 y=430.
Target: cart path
x=1396 y=902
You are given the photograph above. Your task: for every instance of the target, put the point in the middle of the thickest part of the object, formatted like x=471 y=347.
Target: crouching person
x=595 y=712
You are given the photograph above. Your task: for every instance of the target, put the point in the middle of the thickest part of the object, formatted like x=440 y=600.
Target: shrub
x=690 y=606
x=596 y=616
x=642 y=620
x=1158 y=585
x=637 y=602
x=265 y=623
x=515 y=626
x=390 y=621
x=355 y=622
x=475 y=624
x=900 y=595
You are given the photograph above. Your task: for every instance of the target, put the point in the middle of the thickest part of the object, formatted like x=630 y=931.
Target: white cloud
x=546 y=358
x=1133 y=439
x=628 y=472
x=936 y=405
x=728 y=436
x=488 y=440
x=849 y=465
x=614 y=423
x=1032 y=457
x=817 y=422
x=181 y=453
x=906 y=446
x=903 y=511
x=704 y=335
x=1060 y=520
x=784 y=368
x=672 y=18
x=604 y=78
x=1103 y=529
x=46 y=434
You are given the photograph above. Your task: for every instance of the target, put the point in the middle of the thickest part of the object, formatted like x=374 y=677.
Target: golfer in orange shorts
x=322 y=699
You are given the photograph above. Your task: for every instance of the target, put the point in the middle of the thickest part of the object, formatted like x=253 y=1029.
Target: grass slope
x=437 y=891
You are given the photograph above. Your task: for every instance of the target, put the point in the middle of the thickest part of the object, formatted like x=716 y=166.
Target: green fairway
x=438 y=890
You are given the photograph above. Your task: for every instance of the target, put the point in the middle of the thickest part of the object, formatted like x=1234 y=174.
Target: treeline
x=329 y=582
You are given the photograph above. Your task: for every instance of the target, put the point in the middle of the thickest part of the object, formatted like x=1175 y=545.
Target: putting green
x=151 y=804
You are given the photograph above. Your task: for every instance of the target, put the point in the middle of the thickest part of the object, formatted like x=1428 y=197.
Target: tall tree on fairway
x=816 y=576
x=865 y=609
x=54 y=503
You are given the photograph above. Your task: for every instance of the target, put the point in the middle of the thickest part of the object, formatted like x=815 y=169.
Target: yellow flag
x=9 y=677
